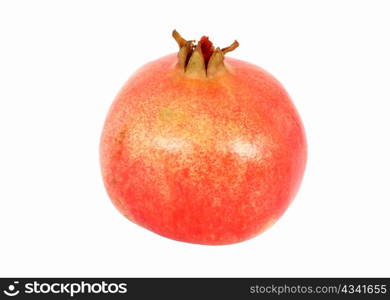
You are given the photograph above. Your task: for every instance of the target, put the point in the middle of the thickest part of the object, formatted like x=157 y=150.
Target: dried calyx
x=201 y=59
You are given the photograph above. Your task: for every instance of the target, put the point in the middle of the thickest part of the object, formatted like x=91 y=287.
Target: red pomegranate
x=201 y=148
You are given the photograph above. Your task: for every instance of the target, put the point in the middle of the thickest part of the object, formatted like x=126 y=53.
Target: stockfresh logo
x=69 y=288
x=12 y=289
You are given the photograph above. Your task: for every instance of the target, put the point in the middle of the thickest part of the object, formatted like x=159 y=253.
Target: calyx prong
x=216 y=62
x=230 y=48
x=179 y=39
x=196 y=65
x=201 y=59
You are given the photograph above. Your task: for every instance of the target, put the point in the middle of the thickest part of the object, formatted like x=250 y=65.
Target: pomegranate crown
x=202 y=58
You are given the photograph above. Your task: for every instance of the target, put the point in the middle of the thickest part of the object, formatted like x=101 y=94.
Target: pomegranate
x=201 y=148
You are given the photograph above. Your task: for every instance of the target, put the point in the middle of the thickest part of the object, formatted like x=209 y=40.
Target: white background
x=62 y=63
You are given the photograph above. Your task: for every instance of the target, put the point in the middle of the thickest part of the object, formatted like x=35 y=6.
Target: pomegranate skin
x=203 y=160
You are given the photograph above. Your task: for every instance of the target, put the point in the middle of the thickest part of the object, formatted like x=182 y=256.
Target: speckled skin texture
x=203 y=160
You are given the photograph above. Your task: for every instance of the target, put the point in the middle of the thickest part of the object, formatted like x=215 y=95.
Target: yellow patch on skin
x=195 y=129
x=171 y=116
x=121 y=134
x=233 y=128
x=200 y=131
